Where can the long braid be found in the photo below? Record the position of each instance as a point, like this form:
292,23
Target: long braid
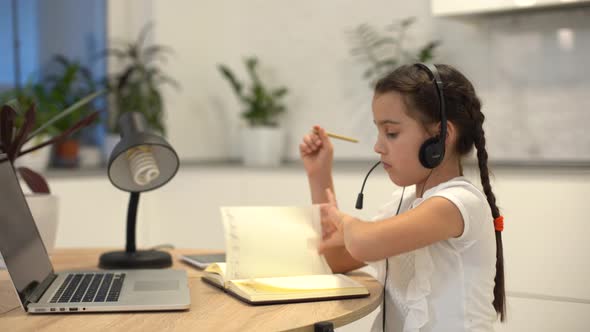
482,158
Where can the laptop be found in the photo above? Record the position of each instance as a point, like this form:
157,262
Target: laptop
42,290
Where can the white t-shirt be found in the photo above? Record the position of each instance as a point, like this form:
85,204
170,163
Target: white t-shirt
448,285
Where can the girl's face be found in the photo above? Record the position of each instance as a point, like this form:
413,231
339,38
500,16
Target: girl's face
399,139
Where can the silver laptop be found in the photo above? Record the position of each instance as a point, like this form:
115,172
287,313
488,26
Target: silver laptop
41,290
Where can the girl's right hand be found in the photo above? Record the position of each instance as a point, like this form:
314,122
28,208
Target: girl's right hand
317,152
332,228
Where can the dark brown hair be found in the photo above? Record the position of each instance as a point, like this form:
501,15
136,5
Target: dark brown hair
463,109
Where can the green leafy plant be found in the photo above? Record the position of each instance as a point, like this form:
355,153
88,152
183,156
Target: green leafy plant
262,105
137,86
17,125
385,51
68,82
23,98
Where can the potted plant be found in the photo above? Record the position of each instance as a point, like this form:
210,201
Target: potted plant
18,126
383,52
37,160
68,82
136,87
262,138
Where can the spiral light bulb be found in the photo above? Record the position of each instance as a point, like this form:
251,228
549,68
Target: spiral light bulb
142,165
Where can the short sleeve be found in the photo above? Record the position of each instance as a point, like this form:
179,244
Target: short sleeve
390,208
387,210
474,211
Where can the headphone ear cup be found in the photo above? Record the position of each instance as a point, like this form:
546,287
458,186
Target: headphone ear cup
431,153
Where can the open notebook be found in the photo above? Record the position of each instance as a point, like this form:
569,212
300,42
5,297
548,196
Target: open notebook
271,257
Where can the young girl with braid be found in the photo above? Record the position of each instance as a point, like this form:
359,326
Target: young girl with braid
437,245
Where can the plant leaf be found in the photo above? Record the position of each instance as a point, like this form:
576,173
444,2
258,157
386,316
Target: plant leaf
236,85
22,133
427,52
7,115
34,180
124,78
62,60
280,92
251,64
86,121
144,33
65,112
154,50
408,21
169,80
114,52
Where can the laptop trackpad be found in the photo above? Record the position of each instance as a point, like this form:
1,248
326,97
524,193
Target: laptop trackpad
156,285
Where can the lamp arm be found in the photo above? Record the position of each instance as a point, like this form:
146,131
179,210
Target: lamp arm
131,221
132,258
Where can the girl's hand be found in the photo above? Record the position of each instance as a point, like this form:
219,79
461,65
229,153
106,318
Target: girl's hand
332,226
316,152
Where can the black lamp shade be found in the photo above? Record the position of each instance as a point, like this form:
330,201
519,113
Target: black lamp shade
135,134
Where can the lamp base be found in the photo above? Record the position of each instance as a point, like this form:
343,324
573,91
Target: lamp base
146,259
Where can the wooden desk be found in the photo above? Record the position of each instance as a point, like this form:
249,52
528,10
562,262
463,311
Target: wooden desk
211,309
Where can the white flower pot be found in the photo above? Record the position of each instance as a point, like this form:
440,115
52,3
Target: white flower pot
90,156
262,146
44,209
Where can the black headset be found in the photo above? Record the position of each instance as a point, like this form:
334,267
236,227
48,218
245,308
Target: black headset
432,150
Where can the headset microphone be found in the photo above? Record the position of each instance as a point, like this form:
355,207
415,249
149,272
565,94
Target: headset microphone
359,199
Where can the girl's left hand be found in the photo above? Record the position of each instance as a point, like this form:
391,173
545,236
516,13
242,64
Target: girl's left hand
332,226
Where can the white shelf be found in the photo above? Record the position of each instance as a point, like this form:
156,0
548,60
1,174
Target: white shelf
477,7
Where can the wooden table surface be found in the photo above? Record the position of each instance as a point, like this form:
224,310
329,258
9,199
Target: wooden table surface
211,309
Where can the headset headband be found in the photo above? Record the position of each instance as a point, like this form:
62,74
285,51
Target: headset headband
435,76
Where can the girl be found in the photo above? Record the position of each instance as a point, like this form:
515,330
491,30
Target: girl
438,247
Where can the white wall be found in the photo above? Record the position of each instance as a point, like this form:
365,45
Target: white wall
124,21
302,45
529,69
533,90
462,7
545,240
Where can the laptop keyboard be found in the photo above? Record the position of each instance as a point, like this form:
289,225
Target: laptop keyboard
90,287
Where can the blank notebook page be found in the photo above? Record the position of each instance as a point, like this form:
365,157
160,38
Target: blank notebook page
272,241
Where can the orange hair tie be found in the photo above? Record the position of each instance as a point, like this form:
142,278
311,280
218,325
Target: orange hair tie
499,223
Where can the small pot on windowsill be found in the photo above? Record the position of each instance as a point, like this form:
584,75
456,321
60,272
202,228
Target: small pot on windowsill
262,146
67,152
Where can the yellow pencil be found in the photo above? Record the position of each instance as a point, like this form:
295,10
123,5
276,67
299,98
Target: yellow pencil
344,138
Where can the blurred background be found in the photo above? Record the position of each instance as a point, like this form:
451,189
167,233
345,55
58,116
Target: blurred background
222,79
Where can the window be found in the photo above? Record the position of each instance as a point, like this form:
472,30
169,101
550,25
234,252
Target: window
72,28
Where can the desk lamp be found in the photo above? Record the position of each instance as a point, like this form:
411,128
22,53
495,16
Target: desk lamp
140,162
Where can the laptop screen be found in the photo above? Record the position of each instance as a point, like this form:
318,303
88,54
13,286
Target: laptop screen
20,243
